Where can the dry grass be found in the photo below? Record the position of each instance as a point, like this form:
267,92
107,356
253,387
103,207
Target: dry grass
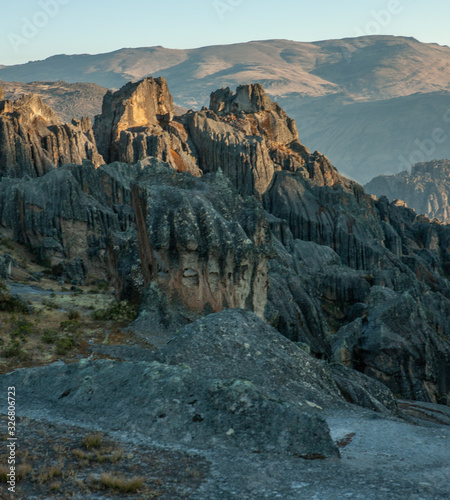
4,471
108,455
92,440
22,472
55,486
49,474
119,483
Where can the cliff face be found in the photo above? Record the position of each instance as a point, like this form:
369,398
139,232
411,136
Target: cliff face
199,244
249,138
232,211
33,141
426,189
137,122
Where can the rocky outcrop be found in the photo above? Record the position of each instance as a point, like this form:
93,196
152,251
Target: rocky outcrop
201,246
401,341
137,122
68,213
248,137
33,141
426,189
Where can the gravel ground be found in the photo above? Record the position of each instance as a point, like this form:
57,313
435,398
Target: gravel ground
382,458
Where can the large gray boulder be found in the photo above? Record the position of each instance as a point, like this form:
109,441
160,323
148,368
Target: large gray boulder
228,380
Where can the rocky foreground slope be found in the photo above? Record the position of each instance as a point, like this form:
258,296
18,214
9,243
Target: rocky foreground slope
426,188
273,286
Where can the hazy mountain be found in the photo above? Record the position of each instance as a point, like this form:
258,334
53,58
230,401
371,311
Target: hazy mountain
364,102
426,188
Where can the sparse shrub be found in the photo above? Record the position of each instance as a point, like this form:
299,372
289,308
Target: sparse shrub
65,344
2,285
7,243
74,315
55,486
92,440
14,349
71,326
49,304
50,336
22,329
122,311
21,472
49,474
80,454
11,304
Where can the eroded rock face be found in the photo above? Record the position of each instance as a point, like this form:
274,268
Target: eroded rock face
137,122
426,189
202,246
34,141
68,213
396,344
247,136
307,250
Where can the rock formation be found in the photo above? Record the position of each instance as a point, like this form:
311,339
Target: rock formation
33,141
137,122
67,213
247,218
199,246
426,189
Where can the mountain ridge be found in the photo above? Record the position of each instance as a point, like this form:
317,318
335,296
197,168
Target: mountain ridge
373,85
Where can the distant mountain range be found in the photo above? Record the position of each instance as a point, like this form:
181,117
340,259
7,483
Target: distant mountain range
371,104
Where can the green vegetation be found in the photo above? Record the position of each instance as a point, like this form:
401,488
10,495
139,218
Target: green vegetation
49,336
122,311
11,304
65,344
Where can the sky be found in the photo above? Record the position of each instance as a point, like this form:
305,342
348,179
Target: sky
37,29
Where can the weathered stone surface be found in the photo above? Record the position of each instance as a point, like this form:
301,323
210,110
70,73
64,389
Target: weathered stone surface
199,244
67,213
364,391
339,217
397,344
33,141
238,344
230,381
136,122
426,188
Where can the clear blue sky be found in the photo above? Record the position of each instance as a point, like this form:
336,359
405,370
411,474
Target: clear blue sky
95,26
